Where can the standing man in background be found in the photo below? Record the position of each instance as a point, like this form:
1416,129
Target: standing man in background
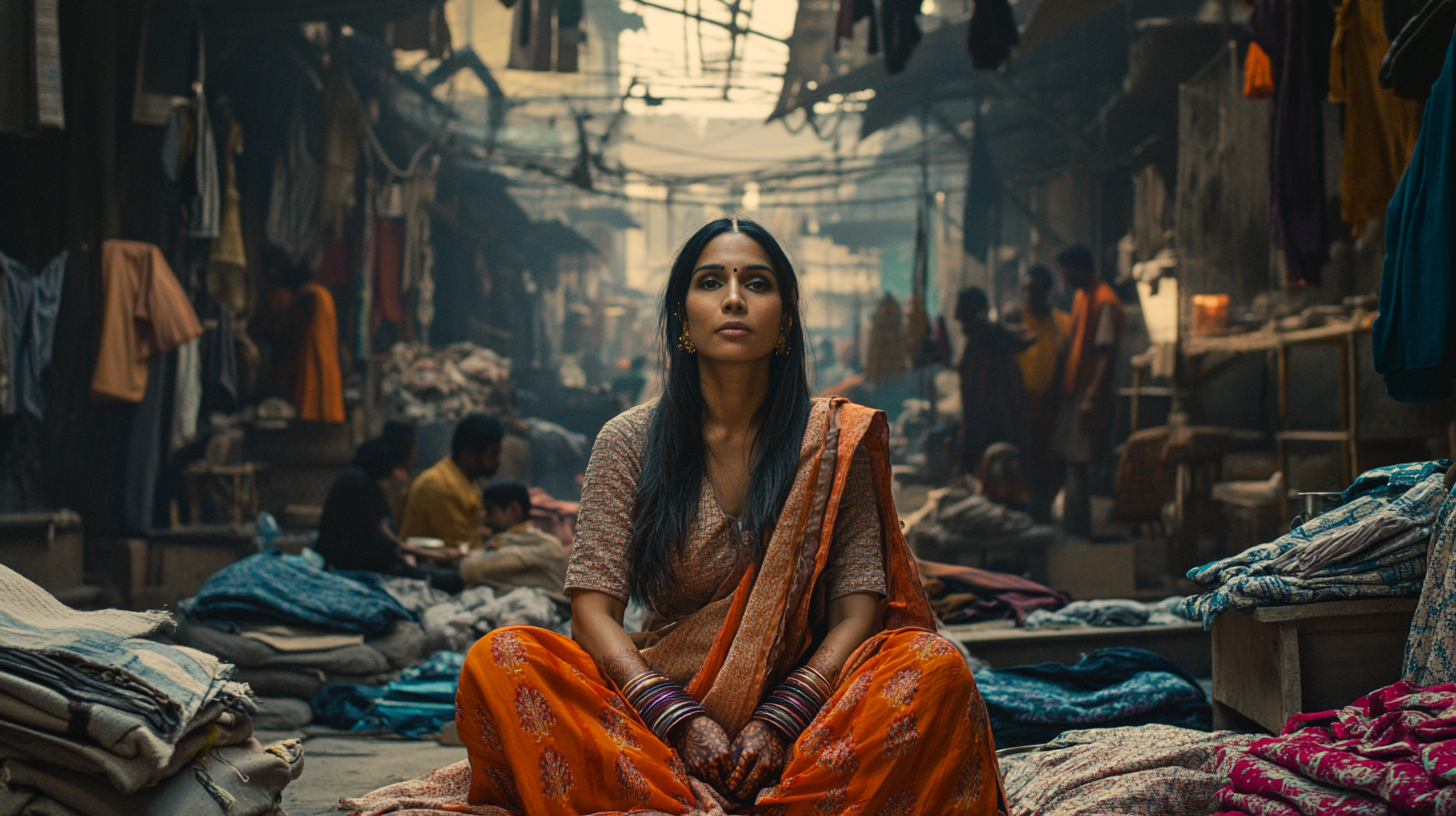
1088,397
1039,365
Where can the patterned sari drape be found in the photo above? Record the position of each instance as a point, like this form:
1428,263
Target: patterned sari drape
905,732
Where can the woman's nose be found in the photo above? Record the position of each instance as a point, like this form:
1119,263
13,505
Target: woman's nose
733,297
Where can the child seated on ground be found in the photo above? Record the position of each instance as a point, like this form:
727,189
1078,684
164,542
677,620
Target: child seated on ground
518,554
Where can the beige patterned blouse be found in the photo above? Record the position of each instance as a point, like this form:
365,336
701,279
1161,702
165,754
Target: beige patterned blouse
604,527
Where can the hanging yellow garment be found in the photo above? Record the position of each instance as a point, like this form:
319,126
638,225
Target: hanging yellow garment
1380,129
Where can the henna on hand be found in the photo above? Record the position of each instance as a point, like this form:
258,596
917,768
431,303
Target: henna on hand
826,661
759,756
622,666
705,749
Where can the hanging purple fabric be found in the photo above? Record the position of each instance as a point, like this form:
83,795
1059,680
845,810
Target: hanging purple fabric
1296,34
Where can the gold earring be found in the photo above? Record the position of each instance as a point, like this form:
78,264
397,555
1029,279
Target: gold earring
782,347
685,340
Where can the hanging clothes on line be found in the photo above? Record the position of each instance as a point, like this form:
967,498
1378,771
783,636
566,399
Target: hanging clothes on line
417,268
900,24
344,131
292,224
1411,338
227,268
851,12
1258,74
1380,130
1418,51
1296,34
319,393
207,198
144,311
32,303
992,34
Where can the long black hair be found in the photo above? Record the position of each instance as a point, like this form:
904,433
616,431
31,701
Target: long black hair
671,483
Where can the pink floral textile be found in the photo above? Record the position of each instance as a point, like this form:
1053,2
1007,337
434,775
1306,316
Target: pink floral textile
1390,753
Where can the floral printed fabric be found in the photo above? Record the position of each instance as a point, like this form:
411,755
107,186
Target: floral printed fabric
1380,538
1430,652
905,735
1388,753
1150,770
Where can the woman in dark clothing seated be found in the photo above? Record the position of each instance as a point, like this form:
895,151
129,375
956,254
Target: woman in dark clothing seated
354,532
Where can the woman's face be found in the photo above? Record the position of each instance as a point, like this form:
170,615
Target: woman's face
734,306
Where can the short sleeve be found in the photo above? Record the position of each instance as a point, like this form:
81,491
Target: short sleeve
1106,327
856,556
608,495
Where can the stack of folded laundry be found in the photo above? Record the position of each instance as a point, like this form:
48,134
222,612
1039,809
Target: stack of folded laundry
1373,545
288,665
1028,705
96,719
1390,752
292,628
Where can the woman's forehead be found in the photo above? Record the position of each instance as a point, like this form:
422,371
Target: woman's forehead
734,248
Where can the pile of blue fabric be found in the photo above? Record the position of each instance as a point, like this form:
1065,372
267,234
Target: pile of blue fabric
417,704
273,588
1372,546
1030,705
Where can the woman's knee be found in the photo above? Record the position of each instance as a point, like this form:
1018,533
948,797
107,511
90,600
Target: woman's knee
510,648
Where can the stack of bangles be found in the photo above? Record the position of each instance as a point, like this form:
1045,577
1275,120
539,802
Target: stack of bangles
793,705
661,703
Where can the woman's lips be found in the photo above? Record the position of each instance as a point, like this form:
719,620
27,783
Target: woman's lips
734,328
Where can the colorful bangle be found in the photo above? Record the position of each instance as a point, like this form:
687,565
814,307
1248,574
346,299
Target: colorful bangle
661,703
794,704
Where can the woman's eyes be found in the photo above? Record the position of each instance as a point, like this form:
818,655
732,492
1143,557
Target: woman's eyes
754,285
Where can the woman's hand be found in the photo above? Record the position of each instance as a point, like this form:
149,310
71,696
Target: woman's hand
758,758
703,745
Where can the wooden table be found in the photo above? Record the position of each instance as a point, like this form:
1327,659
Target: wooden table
1003,644
1272,662
1194,371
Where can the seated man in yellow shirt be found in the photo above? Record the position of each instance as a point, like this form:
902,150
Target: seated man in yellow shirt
443,502
518,555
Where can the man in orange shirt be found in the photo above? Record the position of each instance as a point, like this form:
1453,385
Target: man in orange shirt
1088,397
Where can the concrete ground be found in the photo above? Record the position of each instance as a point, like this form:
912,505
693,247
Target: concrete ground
335,767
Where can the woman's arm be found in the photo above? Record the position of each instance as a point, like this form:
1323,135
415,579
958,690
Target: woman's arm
853,619
596,624
760,752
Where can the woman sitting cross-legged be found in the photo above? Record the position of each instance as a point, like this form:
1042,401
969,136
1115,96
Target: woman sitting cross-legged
789,664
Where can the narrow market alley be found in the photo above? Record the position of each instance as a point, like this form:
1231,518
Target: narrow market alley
727,407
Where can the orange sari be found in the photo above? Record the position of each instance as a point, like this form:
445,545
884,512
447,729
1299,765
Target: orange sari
904,734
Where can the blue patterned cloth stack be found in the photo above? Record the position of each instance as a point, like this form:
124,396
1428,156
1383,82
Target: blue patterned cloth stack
1372,546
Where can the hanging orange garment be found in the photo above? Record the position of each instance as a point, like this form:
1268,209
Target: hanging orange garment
144,311
1086,313
1258,73
904,733
1380,129
319,390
